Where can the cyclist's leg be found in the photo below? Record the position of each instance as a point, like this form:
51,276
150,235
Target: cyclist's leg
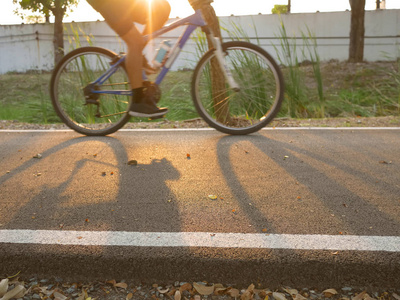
154,14
120,15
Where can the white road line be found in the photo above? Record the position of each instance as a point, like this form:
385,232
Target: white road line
202,129
203,239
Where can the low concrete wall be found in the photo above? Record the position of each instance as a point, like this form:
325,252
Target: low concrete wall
30,47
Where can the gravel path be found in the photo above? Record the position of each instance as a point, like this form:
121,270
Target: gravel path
42,289
389,121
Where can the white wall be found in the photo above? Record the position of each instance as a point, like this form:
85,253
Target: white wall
29,47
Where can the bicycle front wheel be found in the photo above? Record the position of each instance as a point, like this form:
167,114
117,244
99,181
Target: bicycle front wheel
260,82
90,114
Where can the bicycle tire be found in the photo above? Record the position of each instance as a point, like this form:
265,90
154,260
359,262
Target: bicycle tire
72,74
261,89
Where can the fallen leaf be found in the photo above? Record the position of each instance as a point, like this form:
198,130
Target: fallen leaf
203,289
162,291
220,290
186,287
397,297
212,197
329,293
234,293
290,291
122,285
132,162
264,230
278,296
83,295
265,293
298,297
59,296
360,296
177,295
251,288
384,162
14,292
247,295
3,287
129,296
368,297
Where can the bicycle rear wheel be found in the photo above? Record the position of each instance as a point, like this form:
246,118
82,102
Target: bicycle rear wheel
261,89
101,114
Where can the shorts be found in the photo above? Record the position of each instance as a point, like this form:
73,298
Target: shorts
120,14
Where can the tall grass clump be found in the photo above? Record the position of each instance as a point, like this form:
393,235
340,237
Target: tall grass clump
74,37
389,91
249,71
310,52
296,94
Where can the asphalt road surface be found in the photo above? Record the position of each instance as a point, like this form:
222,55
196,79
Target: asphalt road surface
291,207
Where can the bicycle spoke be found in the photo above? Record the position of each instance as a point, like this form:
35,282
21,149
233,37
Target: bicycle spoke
258,99
100,113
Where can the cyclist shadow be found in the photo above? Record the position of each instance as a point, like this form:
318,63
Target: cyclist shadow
97,192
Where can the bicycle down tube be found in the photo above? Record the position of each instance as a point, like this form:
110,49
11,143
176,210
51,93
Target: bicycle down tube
193,21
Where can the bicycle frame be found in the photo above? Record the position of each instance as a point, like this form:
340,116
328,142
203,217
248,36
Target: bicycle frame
192,22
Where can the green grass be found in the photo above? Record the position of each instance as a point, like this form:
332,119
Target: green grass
371,89
25,97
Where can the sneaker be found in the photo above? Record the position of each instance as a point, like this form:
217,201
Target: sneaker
147,110
144,106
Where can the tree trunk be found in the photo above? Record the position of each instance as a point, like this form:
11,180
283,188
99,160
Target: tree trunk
357,31
289,6
58,41
221,106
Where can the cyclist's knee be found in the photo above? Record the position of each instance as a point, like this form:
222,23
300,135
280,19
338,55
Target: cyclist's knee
134,40
161,10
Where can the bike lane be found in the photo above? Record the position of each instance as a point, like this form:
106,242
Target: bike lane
280,206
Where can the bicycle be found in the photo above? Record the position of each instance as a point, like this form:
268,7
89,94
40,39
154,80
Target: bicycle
91,94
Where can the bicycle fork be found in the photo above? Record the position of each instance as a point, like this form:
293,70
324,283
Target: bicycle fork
222,62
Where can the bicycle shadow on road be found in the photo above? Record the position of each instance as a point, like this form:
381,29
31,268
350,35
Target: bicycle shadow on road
304,199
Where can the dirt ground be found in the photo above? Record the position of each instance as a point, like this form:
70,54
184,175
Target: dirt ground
388,121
